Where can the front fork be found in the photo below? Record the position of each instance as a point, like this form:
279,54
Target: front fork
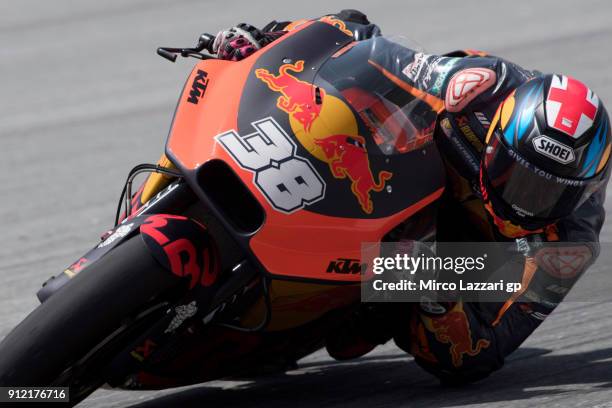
184,247
163,340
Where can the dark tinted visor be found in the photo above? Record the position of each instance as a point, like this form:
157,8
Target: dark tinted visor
527,189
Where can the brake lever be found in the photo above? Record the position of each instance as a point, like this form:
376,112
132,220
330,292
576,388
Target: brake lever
205,42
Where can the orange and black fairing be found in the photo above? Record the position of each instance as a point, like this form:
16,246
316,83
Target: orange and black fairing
285,143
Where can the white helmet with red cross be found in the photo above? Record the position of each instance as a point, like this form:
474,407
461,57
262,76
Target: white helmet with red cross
548,150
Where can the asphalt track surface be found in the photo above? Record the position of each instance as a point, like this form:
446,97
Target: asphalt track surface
83,98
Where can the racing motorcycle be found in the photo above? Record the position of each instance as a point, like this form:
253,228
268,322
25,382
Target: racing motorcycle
242,248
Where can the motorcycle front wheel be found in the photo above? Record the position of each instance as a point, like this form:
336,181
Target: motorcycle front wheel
91,308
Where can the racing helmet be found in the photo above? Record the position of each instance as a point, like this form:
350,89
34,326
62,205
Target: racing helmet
547,151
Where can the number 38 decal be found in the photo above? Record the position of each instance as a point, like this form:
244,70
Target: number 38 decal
289,182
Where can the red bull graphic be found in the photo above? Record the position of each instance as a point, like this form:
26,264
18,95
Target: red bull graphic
331,20
347,157
298,98
453,328
339,24
327,127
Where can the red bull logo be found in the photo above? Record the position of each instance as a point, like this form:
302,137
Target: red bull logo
348,157
331,20
298,98
339,24
326,126
453,328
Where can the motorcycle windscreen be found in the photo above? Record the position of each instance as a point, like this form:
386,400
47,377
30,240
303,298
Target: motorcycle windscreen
398,118
371,133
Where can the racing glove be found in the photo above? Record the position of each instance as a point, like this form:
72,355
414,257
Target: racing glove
238,42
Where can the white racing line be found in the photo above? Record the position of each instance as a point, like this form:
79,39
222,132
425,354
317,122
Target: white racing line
84,98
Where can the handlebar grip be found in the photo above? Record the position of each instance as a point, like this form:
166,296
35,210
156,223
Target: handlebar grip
166,54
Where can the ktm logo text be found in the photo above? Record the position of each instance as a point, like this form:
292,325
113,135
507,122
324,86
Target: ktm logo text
346,266
198,87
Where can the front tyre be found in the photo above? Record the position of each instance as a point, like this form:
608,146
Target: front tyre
83,313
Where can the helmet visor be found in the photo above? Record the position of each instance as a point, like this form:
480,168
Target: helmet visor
528,190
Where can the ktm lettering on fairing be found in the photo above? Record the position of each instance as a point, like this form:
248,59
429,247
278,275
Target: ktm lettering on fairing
345,266
198,87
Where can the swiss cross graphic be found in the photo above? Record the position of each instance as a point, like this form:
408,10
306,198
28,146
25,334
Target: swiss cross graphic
465,85
571,106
